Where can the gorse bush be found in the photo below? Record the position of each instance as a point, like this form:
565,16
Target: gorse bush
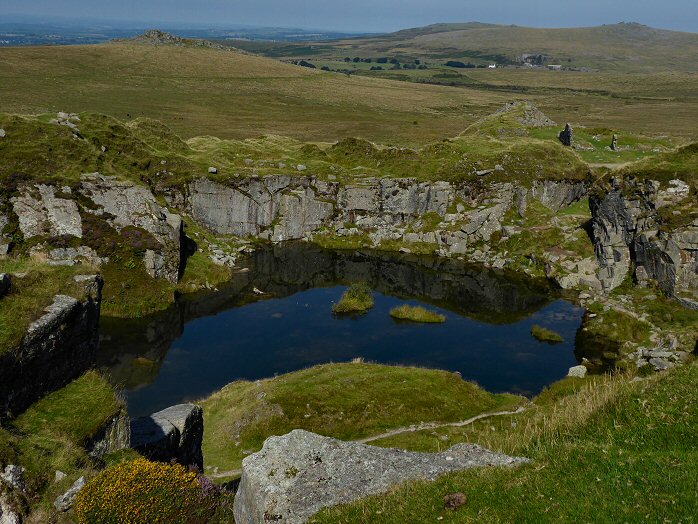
141,491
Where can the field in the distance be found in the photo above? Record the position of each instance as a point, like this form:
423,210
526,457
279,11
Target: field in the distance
230,94
614,48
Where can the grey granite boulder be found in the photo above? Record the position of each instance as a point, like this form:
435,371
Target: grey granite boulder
296,475
173,433
577,372
7,513
13,476
66,501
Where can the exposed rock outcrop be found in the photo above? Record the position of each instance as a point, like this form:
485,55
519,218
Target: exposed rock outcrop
42,213
130,205
629,232
281,207
567,136
296,475
57,348
66,501
173,433
8,515
113,436
78,215
13,476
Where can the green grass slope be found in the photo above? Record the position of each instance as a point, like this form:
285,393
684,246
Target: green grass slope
51,435
347,401
201,91
607,451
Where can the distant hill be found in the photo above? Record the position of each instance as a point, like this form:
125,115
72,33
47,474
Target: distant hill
626,47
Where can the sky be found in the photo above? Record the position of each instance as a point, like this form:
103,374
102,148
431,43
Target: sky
368,15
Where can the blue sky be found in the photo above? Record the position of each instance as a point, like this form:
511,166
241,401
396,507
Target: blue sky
369,15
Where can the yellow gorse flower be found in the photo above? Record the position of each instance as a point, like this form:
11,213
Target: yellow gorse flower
139,492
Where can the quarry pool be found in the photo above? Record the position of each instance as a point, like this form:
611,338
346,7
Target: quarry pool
204,342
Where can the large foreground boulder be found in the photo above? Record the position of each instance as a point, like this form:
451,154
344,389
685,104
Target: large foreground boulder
173,433
296,475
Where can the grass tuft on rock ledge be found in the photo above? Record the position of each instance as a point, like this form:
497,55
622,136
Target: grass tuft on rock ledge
420,314
546,335
357,299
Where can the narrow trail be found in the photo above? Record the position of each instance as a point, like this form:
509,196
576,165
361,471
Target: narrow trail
398,431
436,425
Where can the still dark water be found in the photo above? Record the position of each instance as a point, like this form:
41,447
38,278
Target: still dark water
203,343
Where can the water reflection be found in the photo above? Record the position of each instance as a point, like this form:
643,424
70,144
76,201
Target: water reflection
206,341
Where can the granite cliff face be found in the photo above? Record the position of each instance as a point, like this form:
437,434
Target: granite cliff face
66,225
645,227
282,207
57,348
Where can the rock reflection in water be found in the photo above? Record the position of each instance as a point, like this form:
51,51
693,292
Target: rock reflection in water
172,356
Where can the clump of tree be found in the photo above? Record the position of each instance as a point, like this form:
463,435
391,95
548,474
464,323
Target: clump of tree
460,65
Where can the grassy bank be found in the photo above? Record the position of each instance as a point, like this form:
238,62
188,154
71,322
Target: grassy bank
603,450
50,436
347,401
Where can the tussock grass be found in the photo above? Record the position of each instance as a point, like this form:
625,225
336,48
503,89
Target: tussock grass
417,314
358,298
546,335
